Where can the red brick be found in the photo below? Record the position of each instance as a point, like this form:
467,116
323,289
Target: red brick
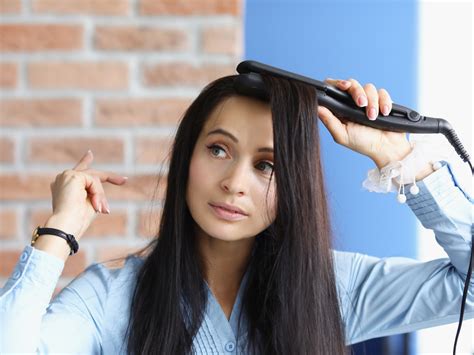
148,223
29,187
70,151
10,6
114,224
25,187
7,150
96,7
8,260
21,37
178,74
153,150
80,75
140,38
186,7
40,112
8,221
8,75
222,40
139,112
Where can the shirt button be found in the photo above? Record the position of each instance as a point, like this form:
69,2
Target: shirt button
24,256
230,346
16,275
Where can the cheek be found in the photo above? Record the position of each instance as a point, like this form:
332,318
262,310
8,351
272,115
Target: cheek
197,172
267,205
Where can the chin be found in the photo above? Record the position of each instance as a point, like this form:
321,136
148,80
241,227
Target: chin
224,233
221,230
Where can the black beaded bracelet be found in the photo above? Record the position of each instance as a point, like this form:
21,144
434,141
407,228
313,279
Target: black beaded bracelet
69,238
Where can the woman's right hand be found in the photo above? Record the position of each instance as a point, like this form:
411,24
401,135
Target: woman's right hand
78,195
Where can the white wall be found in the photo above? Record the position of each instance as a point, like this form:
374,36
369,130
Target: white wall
445,91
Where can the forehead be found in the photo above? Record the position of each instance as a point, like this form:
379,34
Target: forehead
242,115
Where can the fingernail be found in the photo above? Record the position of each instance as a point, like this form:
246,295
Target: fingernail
372,113
343,82
125,177
385,110
107,207
362,101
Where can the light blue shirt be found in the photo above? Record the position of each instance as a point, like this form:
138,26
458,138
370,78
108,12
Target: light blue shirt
378,297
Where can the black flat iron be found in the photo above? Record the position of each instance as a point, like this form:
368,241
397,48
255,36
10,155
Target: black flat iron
341,104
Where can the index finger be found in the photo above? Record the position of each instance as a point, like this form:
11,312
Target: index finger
84,162
107,176
343,84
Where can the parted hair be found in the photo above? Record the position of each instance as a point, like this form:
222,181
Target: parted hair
290,299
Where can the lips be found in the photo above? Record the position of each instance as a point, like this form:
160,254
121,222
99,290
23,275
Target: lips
227,215
230,208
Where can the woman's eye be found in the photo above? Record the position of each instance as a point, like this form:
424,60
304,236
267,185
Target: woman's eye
265,163
215,147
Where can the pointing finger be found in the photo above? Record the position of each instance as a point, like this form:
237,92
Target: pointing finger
106,176
85,161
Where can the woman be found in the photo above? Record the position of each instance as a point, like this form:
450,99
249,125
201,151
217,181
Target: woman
260,280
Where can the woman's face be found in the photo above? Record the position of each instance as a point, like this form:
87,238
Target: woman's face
234,171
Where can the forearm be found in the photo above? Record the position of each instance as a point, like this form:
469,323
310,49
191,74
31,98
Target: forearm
25,298
445,208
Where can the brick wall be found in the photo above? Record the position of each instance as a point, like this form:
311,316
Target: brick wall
114,76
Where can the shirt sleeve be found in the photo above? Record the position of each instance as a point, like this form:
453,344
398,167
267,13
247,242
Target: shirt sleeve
29,323
393,295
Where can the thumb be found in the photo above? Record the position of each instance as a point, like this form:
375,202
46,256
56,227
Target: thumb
335,127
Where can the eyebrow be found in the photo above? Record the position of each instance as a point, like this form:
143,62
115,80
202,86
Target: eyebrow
231,136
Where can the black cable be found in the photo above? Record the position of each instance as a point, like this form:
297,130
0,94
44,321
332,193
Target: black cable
466,284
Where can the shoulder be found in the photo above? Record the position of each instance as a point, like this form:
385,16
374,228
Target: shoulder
103,279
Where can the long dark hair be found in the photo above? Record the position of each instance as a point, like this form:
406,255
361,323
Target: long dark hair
290,299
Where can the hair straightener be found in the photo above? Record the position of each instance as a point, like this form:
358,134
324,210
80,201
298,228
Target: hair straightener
341,104
401,119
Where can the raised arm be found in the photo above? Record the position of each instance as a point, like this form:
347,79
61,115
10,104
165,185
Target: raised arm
71,323
396,295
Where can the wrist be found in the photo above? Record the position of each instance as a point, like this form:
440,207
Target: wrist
53,245
386,158
63,224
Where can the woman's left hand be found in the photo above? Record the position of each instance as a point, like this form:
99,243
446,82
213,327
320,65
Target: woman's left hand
381,146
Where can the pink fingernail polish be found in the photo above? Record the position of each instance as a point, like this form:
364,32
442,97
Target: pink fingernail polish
362,101
372,113
385,110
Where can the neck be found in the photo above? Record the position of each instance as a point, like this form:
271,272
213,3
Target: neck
224,262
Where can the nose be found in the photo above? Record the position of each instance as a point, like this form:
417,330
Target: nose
235,181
